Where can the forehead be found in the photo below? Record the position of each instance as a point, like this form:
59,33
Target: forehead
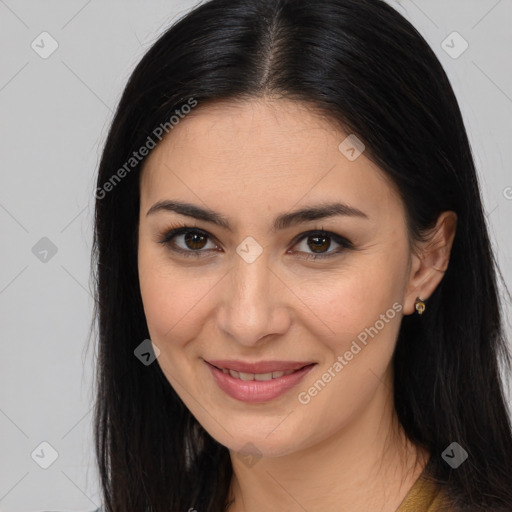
262,154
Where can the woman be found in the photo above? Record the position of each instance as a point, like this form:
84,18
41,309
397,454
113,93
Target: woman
297,298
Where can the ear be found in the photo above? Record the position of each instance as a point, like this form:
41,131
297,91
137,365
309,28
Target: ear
430,260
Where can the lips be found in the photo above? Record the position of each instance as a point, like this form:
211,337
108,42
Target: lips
259,368
258,387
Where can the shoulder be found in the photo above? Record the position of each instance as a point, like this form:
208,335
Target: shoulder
425,496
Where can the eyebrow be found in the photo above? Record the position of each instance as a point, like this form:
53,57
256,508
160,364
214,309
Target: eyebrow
282,221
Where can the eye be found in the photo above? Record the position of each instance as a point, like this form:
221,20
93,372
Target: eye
320,242
187,241
193,242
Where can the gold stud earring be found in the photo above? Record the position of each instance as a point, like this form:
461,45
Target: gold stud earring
419,305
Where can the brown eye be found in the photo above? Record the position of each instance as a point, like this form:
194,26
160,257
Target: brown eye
319,243
188,241
316,245
195,240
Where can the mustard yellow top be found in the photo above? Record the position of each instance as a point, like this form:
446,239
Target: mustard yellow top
424,496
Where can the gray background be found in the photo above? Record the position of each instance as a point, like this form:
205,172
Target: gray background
54,118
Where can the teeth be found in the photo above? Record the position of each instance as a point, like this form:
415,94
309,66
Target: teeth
263,376
256,376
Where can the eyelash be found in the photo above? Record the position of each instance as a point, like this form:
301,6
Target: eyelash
182,229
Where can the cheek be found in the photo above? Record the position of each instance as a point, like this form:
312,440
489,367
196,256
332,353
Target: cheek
365,291
173,297
363,309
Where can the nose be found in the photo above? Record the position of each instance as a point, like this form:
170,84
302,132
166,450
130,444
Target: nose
255,302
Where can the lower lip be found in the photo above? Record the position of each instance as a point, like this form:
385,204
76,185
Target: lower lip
255,391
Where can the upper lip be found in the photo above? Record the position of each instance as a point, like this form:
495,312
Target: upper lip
260,367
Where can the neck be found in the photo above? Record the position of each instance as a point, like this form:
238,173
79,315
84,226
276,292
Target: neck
367,465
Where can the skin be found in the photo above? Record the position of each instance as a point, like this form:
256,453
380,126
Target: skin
251,161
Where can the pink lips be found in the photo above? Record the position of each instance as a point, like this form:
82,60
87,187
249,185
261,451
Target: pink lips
261,367
255,391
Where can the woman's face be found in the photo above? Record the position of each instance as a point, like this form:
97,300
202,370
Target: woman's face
242,289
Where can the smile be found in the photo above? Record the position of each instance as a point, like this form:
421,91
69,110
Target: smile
257,387
256,376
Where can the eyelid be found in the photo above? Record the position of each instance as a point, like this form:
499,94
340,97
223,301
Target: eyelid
181,229
343,242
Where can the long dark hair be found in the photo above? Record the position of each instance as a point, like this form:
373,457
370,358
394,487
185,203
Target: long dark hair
362,65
